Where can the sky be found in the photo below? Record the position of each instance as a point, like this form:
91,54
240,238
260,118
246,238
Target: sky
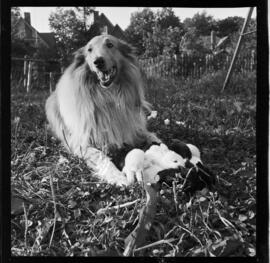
121,15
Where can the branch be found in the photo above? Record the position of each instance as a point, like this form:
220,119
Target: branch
26,225
55,210
160,242
137,236
103,210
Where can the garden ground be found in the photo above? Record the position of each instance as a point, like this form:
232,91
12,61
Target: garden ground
55,199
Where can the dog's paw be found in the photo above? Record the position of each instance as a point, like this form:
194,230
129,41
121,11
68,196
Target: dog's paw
118,178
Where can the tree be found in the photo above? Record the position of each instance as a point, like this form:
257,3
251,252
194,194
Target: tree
166,18
201,22
70,30
249,42
229,25
170,31
192,43
172,40
141,24
163,41
153,42
155,33
84,13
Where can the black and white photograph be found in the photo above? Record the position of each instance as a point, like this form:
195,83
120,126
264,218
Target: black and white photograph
133,131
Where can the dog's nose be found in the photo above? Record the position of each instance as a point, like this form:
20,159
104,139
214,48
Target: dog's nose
99,62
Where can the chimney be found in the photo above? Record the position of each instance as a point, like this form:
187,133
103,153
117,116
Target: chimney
28,33
27,17
96,16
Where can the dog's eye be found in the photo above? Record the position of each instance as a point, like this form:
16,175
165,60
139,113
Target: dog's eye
175,161
90,49
109,45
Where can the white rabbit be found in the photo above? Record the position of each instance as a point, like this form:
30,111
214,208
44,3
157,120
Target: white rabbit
134,165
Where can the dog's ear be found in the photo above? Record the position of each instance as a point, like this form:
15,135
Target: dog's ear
79,57
126,49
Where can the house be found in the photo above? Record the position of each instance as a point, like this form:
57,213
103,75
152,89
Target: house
102,25
99,24
24,30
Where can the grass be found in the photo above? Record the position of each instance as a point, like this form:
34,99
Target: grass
55,199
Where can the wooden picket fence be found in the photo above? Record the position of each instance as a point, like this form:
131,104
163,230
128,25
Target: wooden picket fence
44,74
35,73
184,66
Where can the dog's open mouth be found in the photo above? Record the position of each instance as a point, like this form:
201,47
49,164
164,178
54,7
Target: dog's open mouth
106,77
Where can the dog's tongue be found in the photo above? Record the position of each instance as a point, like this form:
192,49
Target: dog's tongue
104,76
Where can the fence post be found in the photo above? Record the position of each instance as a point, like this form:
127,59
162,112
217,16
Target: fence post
51,82
29,76
154,67
25,72
182,66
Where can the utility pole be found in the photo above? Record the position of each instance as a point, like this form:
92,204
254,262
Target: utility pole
237,48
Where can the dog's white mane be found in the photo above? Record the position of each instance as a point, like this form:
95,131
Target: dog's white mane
91,120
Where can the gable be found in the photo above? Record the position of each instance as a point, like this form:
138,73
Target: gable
104,21
105,26
29,33
118,32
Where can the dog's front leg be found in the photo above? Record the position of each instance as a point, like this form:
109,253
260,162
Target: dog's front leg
103,167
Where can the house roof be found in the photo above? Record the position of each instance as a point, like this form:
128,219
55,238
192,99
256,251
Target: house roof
118,32
49,39
107,21
113,30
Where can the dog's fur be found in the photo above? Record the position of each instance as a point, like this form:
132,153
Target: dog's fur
92,118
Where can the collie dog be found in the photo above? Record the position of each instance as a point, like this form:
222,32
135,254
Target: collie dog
99,105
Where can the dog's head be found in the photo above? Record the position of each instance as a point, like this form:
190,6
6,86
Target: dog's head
104,55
